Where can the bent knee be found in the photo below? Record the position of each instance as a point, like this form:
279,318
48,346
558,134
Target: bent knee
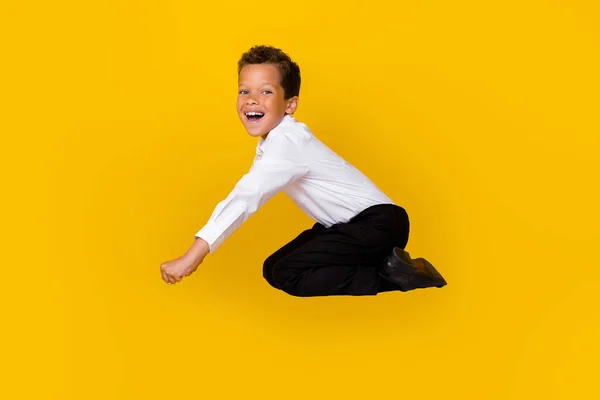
281,273
268,266
288,280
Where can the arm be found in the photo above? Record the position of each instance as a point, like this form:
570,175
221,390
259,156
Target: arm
198,250
266,177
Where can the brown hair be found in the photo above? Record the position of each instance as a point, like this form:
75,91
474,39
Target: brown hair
289,70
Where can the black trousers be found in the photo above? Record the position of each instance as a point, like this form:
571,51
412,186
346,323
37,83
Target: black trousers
343,259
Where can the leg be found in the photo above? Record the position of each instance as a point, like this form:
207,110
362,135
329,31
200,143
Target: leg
344,259
304,237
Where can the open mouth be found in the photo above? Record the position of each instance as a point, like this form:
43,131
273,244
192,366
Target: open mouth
254,116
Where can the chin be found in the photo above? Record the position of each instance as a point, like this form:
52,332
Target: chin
255,133
256,130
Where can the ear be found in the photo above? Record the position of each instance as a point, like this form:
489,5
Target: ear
292,105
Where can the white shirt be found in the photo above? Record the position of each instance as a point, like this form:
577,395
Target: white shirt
291,159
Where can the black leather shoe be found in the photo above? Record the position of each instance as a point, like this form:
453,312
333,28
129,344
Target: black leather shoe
410,274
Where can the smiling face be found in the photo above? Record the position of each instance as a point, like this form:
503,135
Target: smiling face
261,102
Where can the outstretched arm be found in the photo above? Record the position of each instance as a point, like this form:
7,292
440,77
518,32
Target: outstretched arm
266,177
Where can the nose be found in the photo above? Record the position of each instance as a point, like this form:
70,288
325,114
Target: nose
251,100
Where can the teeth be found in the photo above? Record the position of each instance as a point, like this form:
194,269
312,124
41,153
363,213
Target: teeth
251,113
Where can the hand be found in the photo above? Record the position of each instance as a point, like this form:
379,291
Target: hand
173,271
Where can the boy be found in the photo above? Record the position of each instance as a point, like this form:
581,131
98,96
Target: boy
356,247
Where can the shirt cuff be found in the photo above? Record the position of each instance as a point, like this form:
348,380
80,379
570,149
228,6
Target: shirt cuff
210,237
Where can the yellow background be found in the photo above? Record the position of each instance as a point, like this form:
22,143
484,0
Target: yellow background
119,136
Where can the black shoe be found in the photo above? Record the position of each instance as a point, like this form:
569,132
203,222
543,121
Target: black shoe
410,274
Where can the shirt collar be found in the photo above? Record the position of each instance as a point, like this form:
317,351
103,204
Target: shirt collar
287,118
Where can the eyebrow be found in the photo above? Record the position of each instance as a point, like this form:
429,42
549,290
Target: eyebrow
260,84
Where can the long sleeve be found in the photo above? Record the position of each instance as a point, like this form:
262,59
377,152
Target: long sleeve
266,177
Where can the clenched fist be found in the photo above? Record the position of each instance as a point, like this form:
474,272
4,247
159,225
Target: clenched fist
173,271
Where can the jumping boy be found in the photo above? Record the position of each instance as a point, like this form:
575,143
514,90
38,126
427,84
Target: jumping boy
356,247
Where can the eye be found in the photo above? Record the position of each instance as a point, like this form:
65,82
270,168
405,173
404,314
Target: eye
243,92
267,91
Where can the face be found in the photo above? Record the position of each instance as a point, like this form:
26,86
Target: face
261,105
